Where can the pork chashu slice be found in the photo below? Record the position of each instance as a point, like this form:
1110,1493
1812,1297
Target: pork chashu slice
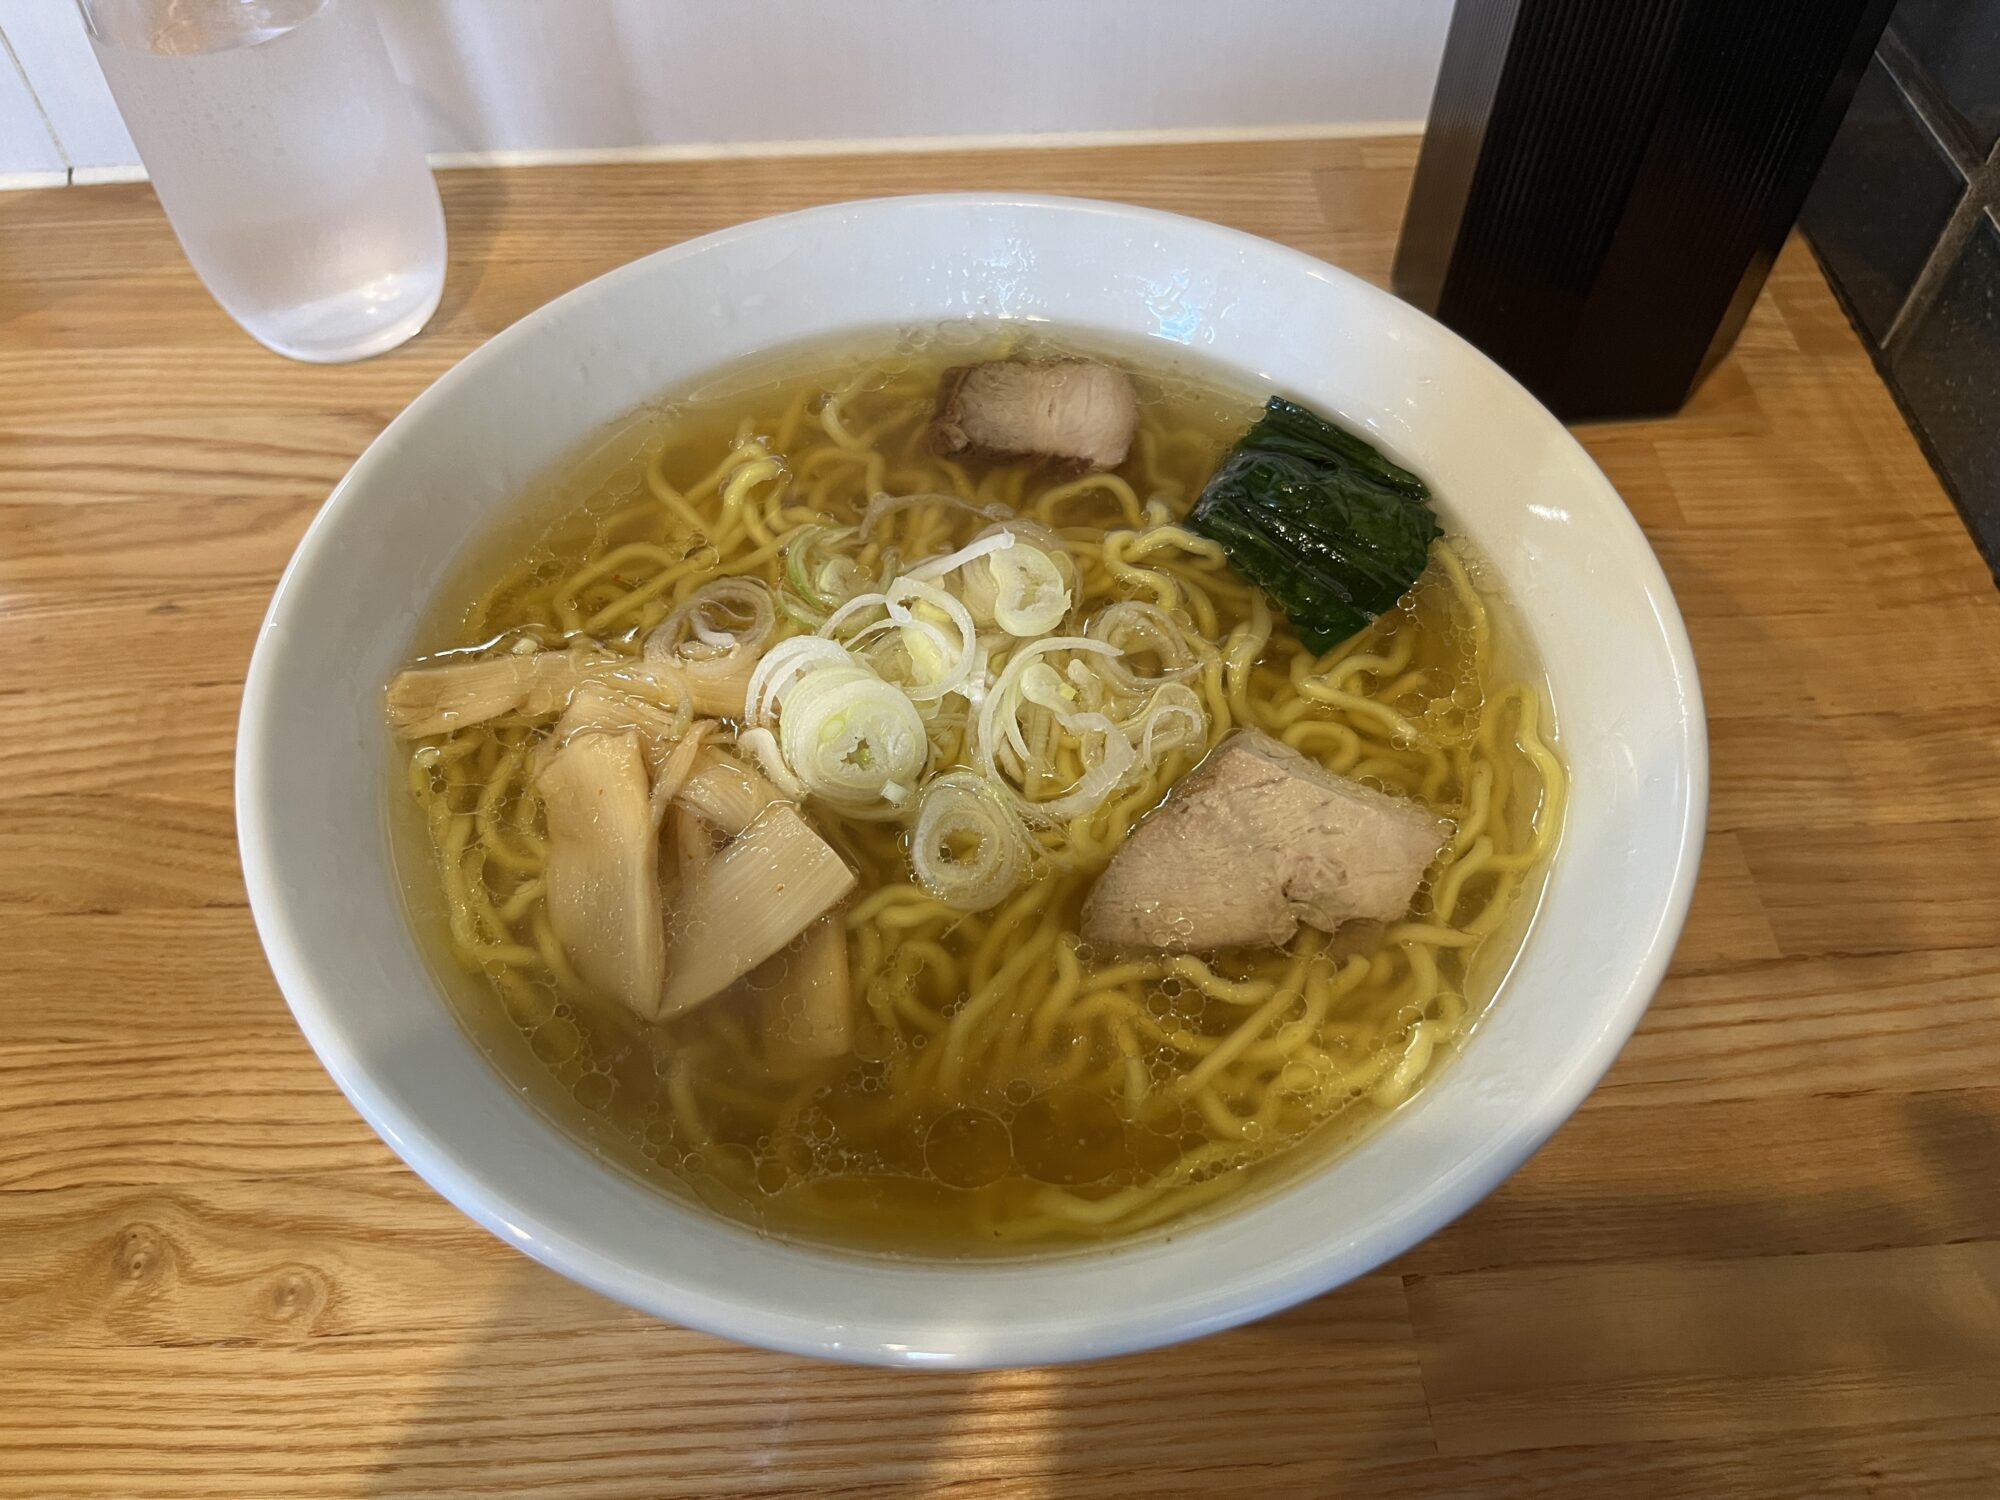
1075,411
1254,841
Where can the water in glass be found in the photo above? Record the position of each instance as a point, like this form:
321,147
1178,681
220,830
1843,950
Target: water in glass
285,152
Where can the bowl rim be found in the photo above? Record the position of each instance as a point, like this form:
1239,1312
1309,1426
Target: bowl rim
491,1201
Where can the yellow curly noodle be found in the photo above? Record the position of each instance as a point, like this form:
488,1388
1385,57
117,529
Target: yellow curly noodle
1010,1085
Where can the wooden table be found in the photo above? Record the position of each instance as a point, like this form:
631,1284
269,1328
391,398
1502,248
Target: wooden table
1764,1259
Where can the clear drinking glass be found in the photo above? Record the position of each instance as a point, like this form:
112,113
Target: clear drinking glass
285,152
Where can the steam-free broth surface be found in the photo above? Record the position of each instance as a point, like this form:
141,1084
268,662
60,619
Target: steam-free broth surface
995,1080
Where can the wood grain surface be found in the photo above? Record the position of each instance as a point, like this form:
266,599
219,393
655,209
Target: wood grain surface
1763,1261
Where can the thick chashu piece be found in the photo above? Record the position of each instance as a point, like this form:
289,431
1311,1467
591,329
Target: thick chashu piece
1255,840
602,878
1074,410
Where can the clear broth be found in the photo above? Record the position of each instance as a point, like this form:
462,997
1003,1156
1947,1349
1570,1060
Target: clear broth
1048,1134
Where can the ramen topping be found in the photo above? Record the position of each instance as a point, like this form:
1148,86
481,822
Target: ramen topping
1330,529
1072,409
769,885
804,1000
1254,841
602,876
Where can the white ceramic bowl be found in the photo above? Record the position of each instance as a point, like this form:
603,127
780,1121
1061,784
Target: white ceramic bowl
313,780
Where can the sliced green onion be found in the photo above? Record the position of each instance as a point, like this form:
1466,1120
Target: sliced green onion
1173,718
937,567
1030,597
783,665
968,847
817,580
1106,753
848,735
1024,580
1137,627
940,665
763,745
719,631
854,713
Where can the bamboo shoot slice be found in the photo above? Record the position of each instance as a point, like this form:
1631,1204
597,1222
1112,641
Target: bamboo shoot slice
694,846
672,771
457,694
775,880
602,879
728,793
443,696
600,708
720,694
671,745
805,1000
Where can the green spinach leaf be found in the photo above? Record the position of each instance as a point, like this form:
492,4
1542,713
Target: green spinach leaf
1331,530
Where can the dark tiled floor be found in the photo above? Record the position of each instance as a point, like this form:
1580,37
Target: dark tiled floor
1958,42
1879,203
1948,369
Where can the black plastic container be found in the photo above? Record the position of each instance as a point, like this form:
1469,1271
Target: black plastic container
1605,183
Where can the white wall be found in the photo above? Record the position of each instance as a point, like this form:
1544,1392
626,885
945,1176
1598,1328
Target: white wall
585,75
28,151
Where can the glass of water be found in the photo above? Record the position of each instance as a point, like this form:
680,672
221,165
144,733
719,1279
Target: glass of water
285,152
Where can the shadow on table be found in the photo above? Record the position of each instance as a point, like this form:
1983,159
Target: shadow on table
475,208
1353,1392
618,1404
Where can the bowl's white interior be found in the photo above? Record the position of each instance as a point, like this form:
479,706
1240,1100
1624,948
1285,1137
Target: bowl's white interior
312,788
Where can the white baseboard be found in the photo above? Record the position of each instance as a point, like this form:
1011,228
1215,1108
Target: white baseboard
910,145
870,146
122,172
